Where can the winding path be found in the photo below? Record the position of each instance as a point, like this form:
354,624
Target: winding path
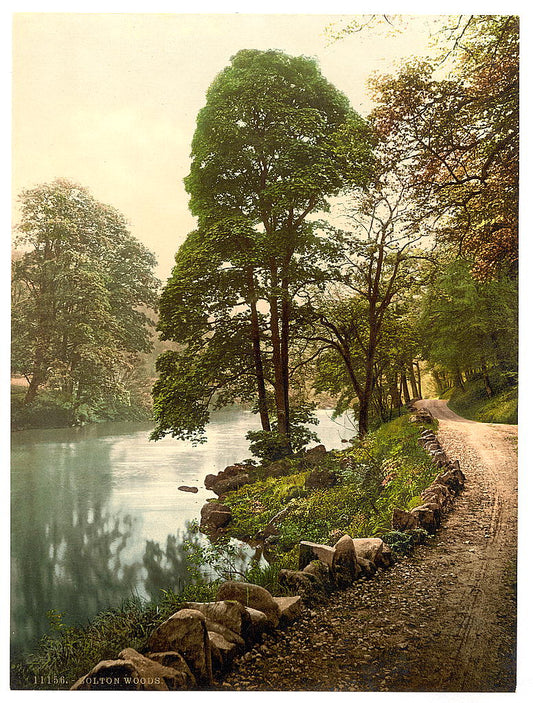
443,619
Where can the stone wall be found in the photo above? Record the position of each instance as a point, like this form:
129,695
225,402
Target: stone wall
201,640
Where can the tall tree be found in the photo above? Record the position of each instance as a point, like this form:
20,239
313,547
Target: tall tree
266,153
461,136
80,287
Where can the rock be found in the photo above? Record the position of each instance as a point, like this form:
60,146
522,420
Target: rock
345,567
231,478
370,548
440,459
386,557
223,652
185,632
303,583
322,573
277,468
188,489
368,568
290,608
252,596
310,551
314,456
174,660
452,478
229,613
437,493
428,517
320,478
403,520
133,672
259,624
214,515
232,483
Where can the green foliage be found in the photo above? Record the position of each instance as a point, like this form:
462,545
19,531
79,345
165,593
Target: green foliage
385,470
474,404
273,445
272,142
81,293
403,543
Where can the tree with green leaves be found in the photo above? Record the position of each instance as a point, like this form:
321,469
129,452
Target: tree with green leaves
460,135
470,325
80,284
273,141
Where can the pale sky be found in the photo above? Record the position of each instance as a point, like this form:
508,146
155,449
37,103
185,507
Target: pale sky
110,100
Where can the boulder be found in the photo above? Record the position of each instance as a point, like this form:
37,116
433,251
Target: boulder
185,632
278,468
428,516
132,671
251,596
232,483
214,515
386,557
439,494
322,573
368,568
291,608
440,459
223,652
174,660
305,584
403,520
231,478
452,478
345,567
259,624
370,548
320,478
310,551
229,613
315,456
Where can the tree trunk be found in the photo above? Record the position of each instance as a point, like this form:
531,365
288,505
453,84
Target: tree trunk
405,388
258,361
279,390
412,380
458,379
486,381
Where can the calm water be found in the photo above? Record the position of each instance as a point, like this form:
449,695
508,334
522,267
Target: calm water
97,517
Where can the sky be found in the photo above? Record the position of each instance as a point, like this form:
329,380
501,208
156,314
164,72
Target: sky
109,100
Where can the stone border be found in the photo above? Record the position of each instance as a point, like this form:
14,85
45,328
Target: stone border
202,639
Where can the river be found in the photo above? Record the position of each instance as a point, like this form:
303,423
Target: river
96,514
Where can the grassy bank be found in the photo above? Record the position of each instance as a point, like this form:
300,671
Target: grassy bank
365,482
475,404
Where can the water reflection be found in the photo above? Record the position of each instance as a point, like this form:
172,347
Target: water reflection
97,517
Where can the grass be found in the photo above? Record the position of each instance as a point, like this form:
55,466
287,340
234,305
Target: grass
474,403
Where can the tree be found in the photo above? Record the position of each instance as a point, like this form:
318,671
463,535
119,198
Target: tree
470,325
272,142
80,285
380,267
460,136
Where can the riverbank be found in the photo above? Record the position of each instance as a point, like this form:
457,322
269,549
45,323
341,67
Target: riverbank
390,467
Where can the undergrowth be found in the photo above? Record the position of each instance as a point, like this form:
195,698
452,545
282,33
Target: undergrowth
474,404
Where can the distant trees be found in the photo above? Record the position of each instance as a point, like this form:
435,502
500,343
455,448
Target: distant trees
272,142
82,289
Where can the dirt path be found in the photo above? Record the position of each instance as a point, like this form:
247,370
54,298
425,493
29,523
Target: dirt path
441,620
